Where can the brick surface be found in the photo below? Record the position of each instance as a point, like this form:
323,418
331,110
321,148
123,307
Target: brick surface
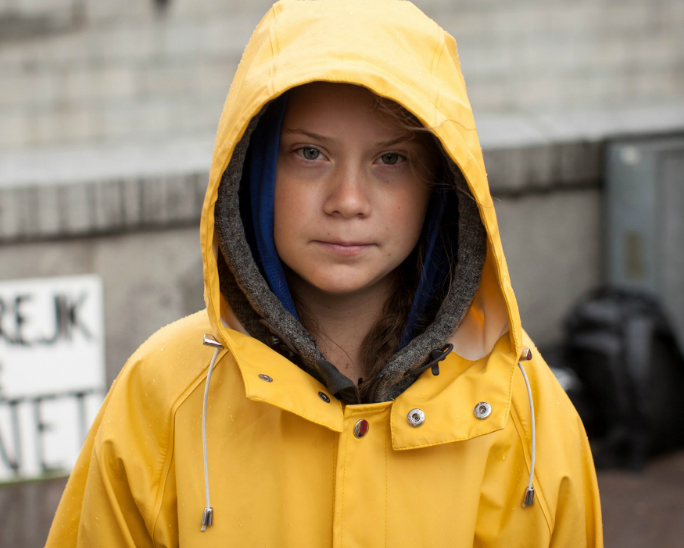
128,42
128,61
170,79
15,129
69,125
115,82
227,34
214,75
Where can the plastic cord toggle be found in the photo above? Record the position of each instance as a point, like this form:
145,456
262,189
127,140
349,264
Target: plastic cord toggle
207,518
529,497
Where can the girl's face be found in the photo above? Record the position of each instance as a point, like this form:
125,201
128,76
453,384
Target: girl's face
351,192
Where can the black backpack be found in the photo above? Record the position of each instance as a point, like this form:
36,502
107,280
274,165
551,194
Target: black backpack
622,348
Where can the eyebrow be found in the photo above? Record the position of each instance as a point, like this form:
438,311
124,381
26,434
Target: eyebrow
404,137
309,134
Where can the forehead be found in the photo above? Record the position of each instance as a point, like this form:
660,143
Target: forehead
339,108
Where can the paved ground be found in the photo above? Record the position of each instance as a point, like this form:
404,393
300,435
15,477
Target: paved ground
639,510
26,511
647,509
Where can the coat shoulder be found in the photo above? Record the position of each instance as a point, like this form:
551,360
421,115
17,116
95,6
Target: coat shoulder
156,378
174,355
558,426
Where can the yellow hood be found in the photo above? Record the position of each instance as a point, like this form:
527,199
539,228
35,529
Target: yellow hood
407,58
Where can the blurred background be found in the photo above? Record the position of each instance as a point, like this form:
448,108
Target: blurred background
108,112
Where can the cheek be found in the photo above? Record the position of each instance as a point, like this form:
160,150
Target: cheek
408,215
292,204
282,218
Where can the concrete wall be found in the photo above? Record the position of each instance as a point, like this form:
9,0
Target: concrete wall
78,71
553,247
141,235
548,203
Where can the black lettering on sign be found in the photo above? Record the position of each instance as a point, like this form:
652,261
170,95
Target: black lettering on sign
20,319
12,457
67,319
4,335
65,310
12,460
74,321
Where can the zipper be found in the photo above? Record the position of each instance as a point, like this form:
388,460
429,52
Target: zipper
436,356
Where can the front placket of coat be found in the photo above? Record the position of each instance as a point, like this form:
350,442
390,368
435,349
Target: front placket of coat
361,477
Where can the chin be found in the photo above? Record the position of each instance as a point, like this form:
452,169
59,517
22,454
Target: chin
338,289
343,286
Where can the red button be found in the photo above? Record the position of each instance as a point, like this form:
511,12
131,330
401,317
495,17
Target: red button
361,428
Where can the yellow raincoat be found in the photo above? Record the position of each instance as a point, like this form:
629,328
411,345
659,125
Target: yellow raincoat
284,465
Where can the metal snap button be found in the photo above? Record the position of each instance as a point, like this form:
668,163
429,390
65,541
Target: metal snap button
265,378
483,410
361,428
416,417
324,397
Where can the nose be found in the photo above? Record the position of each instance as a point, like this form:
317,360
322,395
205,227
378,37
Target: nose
348,194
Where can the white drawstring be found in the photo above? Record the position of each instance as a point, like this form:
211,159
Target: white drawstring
529,492
208,514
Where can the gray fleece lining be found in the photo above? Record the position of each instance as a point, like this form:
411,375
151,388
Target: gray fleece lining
241,282
251,298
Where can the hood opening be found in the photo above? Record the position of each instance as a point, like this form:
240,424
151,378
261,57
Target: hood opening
252,279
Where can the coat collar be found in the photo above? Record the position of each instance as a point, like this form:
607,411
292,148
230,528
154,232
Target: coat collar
448,400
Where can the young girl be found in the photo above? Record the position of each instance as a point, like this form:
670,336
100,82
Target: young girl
360,376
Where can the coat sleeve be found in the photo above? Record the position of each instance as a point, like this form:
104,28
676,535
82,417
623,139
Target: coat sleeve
577,520
122,491
123,480
565,478
97,507
64,530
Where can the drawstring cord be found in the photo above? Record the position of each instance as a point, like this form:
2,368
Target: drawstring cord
528,500
436,356
208,514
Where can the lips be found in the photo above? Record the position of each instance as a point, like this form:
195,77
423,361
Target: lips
339,247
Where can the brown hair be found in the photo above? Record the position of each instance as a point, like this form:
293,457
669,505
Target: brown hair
383,339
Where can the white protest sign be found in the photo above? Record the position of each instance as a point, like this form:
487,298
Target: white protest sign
52,372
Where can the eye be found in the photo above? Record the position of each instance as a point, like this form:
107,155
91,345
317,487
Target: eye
310,153
392,158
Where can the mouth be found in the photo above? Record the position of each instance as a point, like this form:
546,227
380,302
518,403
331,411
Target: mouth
339,247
